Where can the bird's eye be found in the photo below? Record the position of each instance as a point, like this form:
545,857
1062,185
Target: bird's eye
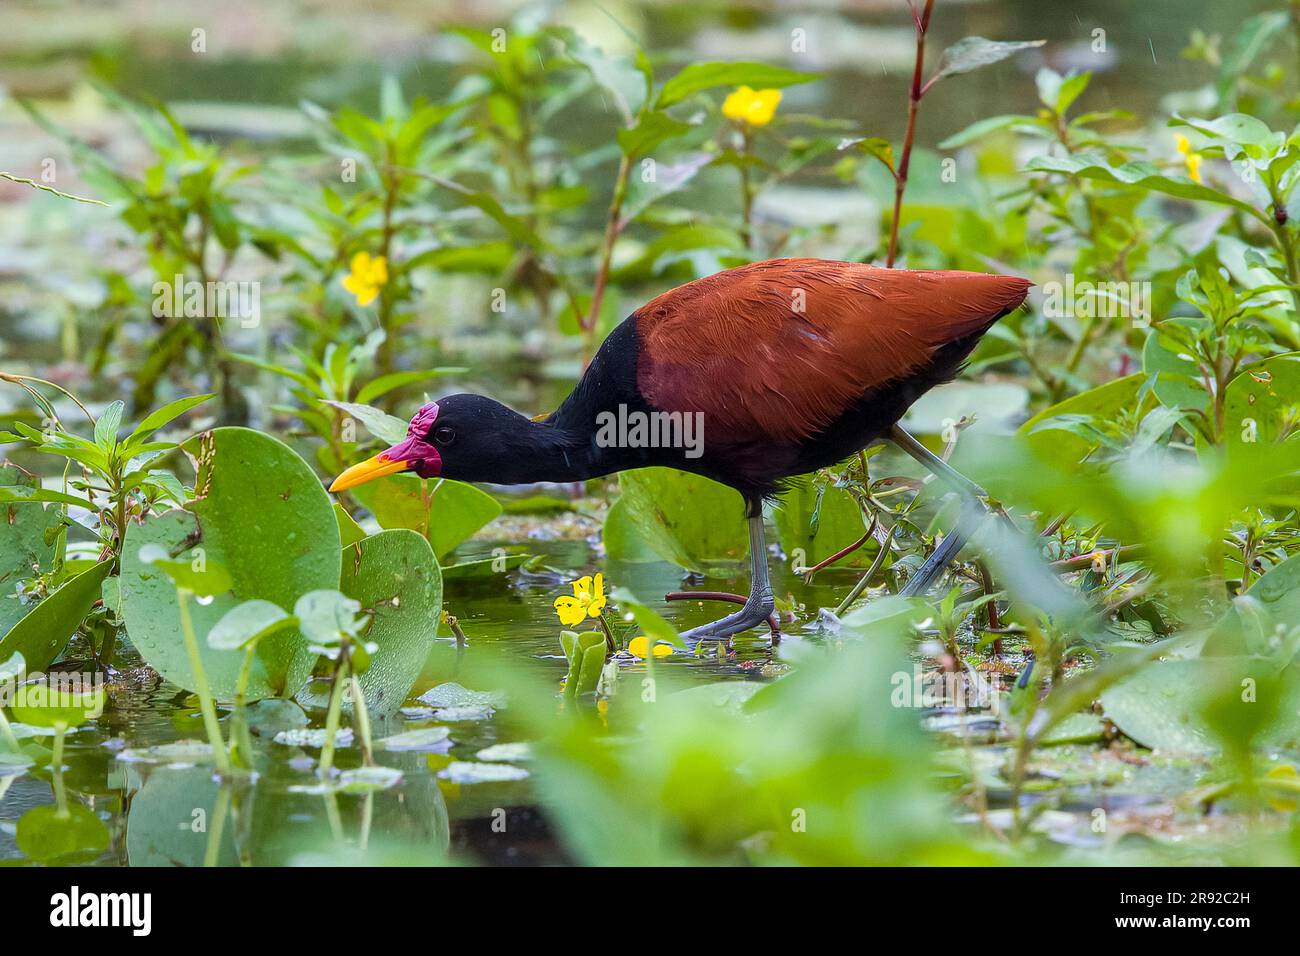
444,435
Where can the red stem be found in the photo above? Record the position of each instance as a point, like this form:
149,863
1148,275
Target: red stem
922,22
719,596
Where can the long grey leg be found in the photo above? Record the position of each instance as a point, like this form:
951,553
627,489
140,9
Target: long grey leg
760,603
938,467
973,511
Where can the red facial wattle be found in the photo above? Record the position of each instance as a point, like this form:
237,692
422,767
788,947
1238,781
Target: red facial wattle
413,453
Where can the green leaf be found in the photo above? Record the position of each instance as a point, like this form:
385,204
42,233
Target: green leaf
705,76
325,616
1140,175
16,493
1191,706
165,415
45,835
383,426
1177,382
1057,92
1103,403
50,704
971,53
396,574
26,544
349,531
45,630
653,129
586,654
684,518
815,520
250,490
872,146
981,128
648,619
198,576
622,540
386,383
1256,34
107,424
246,623
445,512
1263,401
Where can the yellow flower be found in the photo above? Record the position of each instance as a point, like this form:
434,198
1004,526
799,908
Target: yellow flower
588,601
637,647
1287,776
755,107
1193,160
368,274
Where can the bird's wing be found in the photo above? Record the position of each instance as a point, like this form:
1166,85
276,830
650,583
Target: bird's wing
779,349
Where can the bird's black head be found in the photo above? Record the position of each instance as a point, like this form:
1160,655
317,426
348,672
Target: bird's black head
465,437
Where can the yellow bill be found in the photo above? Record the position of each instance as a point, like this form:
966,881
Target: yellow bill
368,470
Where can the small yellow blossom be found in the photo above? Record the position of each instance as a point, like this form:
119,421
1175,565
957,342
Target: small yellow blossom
1193,160
368,274
1288,777
588,601
754,107
637,647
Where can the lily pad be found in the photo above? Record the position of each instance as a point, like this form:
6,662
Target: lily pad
302,737
467,772
463,714
506,753
452,694
420,739
394,573
251,490
369,779
180,753
44,834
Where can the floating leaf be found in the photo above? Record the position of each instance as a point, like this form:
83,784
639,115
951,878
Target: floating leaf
248,622
420,739
452,694
507,753
468,772
45,834
302,737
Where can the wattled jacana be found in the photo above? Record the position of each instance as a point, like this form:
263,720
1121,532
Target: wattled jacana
790,365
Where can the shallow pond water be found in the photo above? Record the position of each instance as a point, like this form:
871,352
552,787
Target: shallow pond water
172,813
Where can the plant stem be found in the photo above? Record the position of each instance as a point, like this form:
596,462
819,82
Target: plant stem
19,379
332,718
241,744
913,106
361,717
206,705
212,852
746,194
613,226
56,768
876,565
7,732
